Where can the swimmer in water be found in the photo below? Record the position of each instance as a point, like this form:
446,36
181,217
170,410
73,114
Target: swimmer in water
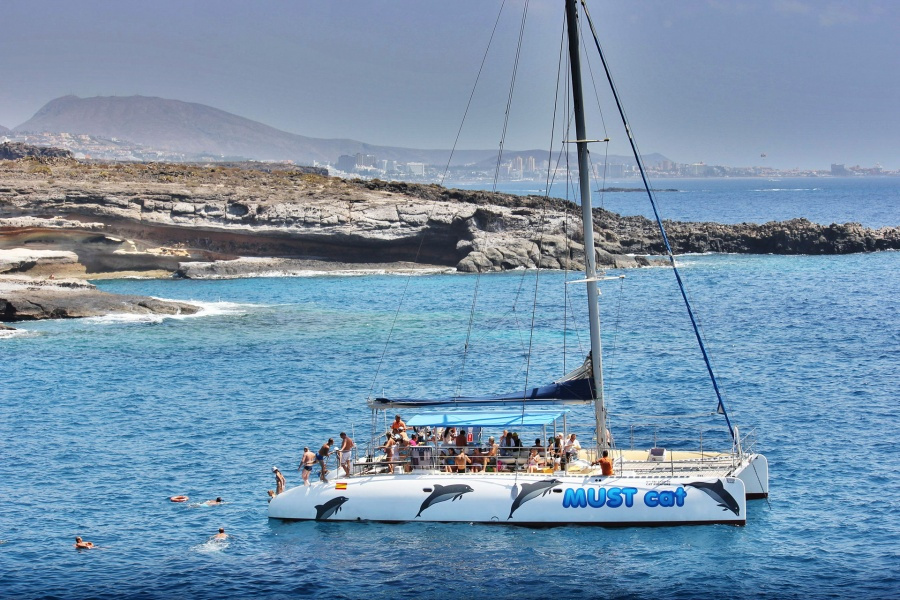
221,535
215,502
82,545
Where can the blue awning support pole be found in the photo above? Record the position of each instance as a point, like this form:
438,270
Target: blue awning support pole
662,230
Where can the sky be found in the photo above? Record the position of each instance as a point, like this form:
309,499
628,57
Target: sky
807,83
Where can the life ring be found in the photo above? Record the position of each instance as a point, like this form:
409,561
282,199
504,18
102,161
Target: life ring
179,498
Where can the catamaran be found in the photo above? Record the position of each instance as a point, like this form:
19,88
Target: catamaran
636,487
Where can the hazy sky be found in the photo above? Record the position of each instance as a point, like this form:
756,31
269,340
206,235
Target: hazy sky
807,82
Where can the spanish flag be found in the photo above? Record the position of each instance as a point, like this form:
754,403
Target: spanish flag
341,485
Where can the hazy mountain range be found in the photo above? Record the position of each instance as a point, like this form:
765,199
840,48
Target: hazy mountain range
176,126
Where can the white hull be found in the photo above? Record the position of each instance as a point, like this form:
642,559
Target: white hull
523,499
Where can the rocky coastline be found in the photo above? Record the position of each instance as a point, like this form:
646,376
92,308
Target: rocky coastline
88,220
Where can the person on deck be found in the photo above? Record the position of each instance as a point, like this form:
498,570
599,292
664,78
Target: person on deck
448,459
606,463
462,459
477,460
388,448
322,456
344,454
398,426
279,481
572,447
403,454
534,461
490,454
306,464
461,438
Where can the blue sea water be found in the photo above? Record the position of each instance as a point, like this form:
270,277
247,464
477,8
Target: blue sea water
103,419
872,201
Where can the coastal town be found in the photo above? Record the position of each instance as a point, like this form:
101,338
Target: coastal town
521,166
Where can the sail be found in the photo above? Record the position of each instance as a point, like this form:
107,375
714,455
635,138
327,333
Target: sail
576,387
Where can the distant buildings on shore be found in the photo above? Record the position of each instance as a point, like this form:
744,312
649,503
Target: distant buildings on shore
528,168
521,167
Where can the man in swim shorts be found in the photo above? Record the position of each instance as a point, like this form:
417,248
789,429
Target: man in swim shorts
321,455
344,453
306,464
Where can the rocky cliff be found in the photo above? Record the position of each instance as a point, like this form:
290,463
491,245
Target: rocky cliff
147,217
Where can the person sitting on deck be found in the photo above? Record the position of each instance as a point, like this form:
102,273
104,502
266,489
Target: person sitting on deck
534,461
605,462
477,460
449,458
490,454
571,448
462,459
537,445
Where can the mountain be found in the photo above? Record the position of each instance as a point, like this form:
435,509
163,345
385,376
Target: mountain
177,126
4,130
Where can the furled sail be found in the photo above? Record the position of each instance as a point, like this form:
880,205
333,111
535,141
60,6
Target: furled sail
576,387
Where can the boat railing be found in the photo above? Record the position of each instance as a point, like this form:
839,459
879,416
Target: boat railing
443,459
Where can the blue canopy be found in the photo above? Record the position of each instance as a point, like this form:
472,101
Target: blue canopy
572,391
485,419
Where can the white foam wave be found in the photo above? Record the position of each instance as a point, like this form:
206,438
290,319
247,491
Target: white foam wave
211,546
6,334
207,309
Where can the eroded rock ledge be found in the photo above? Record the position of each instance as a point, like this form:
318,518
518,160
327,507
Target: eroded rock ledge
29,299
159,217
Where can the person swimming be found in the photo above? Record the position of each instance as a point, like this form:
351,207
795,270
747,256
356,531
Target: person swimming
82,545
215,502
221,535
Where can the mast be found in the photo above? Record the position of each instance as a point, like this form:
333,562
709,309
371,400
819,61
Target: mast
587,220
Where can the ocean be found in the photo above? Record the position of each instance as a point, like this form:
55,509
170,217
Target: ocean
104,419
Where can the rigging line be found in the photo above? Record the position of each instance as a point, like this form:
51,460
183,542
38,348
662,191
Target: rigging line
593,82
462,367
472,94
662,230
509,97
512,87
430,213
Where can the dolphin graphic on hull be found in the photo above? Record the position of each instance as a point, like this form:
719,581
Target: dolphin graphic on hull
530,491
323,511
717,492
442,493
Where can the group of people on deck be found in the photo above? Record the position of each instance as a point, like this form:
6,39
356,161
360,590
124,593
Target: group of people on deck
455,453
